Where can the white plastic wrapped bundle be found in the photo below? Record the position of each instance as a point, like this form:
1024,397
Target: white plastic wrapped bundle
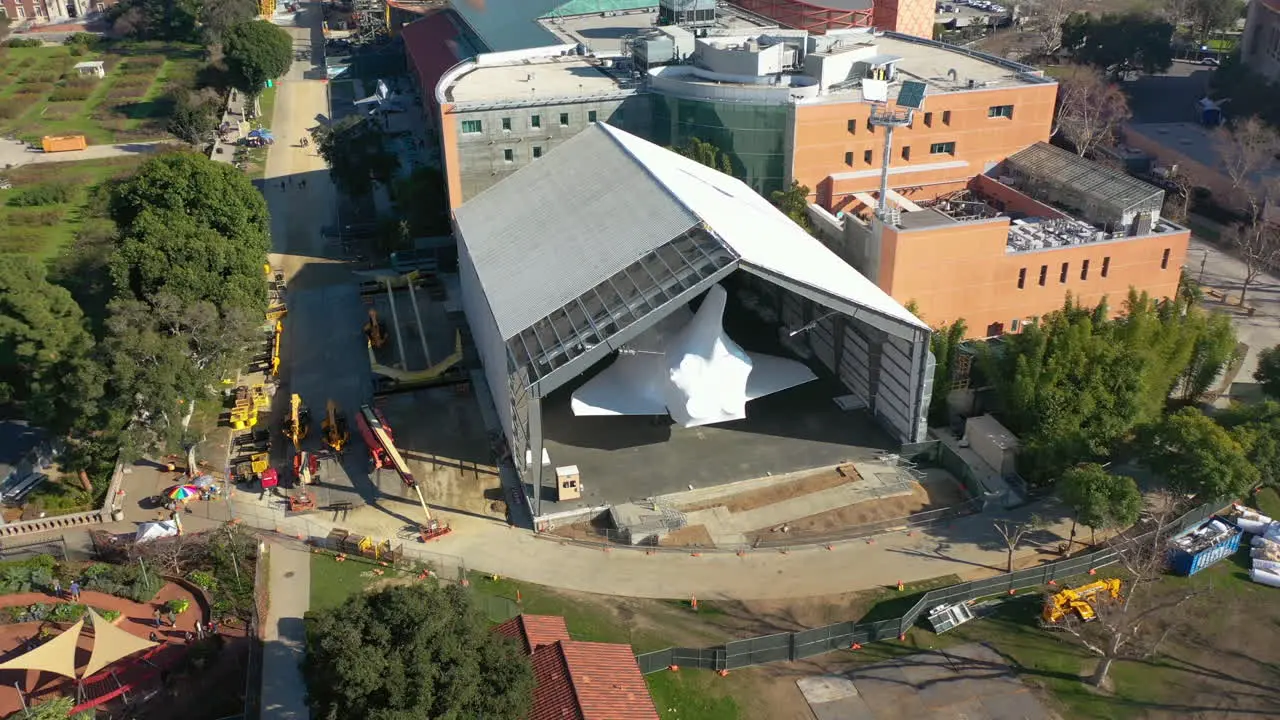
1217,527
1264,577
1257,527
1248,513
1267,552
1268,565
1272,532
1262,541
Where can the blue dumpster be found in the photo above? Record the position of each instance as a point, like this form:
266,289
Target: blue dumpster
1199,547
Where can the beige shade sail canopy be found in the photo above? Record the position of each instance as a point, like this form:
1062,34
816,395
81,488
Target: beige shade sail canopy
110,644
57,656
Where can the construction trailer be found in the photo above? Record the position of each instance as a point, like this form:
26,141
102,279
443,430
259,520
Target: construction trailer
383,452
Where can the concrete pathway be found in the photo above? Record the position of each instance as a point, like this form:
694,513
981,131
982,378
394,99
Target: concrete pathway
16,154
1216,268
284,692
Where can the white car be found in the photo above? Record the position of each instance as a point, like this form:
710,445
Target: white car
1211,61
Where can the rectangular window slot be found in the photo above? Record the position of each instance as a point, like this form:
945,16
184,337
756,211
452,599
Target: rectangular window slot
1084,270
853,127
472,127
1164,260
564,119
508,155
1000,111
942,148
906,152
866,156
506,124
1062,277
1106,266
848,159
535,121
537,152
1022,278
946,117
1044,274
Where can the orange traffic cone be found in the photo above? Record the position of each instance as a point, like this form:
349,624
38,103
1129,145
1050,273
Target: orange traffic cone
518,598
693,602
901,586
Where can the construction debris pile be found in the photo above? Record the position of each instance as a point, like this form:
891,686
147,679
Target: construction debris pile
1265,545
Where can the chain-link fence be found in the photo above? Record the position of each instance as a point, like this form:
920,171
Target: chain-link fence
842,635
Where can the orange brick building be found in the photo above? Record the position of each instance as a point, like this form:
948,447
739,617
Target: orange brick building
1003,250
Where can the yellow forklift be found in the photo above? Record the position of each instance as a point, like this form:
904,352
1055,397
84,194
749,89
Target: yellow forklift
298,423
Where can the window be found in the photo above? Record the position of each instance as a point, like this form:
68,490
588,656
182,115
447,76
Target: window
1044,273
506,124
1062,277
946,117
866,156
1016,325
848,159
870,128
1084,270
1164,260
906,152
943,148
537,152
535,121
591,116
1106,266
853,127
508,155
21,12
928,119
1000,111
564,119
471,127
1022,278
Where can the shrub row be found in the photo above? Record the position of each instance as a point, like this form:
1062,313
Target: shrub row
56,612
76,90
53,193
39,218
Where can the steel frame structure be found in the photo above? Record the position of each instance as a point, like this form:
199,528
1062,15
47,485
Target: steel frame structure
810,16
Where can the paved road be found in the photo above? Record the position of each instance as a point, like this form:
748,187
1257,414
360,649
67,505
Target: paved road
284,691
15,153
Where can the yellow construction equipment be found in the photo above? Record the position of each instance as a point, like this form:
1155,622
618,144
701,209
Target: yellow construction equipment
248,402
298,423
334,427
275,348
1079,602
375,330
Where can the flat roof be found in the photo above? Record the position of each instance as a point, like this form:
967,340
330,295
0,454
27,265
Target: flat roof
932,62
603,34
538,78
1066,169
1192,140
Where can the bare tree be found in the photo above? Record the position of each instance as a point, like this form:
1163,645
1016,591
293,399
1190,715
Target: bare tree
1012,533
1044,18
1246,150
1090,108
1184,182
1134,626
1258,244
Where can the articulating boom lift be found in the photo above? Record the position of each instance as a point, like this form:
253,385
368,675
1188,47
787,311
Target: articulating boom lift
382,451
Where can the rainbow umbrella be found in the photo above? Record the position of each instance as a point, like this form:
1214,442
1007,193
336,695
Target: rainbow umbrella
182,492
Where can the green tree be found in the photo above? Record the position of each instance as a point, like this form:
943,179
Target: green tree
1099,499
194,119
255,52
47,362
1210,16
794,203
1257,428
945,346
219,16
1196,456
175,20
356,151
1120,43
417,651
422,200
1268,371
58,708
1215,348
707,154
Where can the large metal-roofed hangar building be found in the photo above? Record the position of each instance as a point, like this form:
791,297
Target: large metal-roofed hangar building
574,256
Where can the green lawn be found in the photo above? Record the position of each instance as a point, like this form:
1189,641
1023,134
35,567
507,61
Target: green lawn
692,695
585,621
1267,501
45,231
332,582
39,96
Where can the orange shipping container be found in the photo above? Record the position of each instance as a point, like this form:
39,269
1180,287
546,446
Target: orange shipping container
62,143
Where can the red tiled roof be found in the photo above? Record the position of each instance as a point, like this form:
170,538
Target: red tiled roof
589,681
534,630
433,46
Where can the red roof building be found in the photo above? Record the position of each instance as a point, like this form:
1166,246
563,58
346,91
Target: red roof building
579,680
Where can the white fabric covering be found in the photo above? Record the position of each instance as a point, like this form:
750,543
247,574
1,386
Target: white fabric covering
1264,577
688,367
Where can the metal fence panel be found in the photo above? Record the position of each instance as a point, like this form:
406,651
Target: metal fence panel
702,658
652,662
753,651
821,640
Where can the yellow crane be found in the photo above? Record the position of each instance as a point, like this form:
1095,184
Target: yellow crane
375,330
1079,602
297,424
334,427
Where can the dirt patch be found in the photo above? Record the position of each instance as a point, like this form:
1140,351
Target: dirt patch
929,494
689,536
755,499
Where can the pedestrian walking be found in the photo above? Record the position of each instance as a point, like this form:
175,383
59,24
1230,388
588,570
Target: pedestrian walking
75,590
199,630
156,616
282,185
57,588
302,183
173,619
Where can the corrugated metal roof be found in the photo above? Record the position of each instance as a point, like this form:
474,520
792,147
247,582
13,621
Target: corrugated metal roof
509,24
1054,165
560,226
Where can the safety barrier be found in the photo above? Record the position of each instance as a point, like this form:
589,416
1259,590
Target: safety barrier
844,635
56,523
